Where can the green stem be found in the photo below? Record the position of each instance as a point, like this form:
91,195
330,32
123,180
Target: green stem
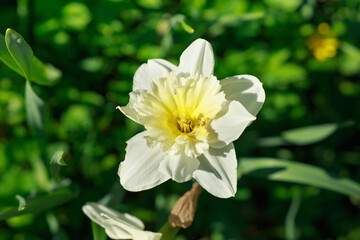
168,232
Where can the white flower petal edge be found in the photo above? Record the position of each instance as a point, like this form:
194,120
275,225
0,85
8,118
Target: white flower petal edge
129,110
153,69
140,169
217,171
231,125
246,89
179,167
198,58
118,225
136,234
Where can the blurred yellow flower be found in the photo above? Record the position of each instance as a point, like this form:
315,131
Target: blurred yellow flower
323,44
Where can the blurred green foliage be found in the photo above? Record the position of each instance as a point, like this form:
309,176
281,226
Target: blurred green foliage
95,47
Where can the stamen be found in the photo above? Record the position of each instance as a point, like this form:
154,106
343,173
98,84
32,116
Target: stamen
186,124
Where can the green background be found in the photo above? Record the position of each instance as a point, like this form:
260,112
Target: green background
97,45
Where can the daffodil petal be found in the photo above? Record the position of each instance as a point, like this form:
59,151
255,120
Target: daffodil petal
153,69
94,211
129,110
246,89
140,169
134,233
179,167
231,125
217,171
198,58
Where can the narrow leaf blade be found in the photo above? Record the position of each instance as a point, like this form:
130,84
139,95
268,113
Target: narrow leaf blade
55,165
39,204
22,203
34,109
295,172
309,135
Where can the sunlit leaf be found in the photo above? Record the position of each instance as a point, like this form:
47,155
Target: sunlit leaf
295,172
43,74
19,50
22,202
55,165
179,19
34,109
6,57
39,204
310,134
290,229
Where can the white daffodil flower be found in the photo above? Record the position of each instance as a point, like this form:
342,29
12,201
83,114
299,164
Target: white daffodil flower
191,119
118,225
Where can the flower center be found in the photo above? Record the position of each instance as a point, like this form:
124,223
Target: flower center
176,108
186,124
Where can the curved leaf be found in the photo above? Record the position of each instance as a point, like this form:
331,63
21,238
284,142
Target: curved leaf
309,135
39,204
22,202
55,164
40,73
34,109
295,172
19,50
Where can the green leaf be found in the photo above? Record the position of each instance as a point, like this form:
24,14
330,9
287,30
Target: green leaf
55,164
39,204
290,229
22,202
309,135
6,57
40,73
179,19
295,172
304,135
98,232
20,51
35,108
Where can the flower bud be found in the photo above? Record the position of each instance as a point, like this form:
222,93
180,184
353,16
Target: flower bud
183,212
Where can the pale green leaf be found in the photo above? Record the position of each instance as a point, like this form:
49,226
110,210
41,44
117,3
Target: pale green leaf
295,172
20,51
6,57
43,74
290,229
55,165
34,109
22,203
39,204
309,135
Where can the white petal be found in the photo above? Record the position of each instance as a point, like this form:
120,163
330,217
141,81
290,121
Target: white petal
246,89
154,68
135,233
129,110
179,167
230,125
94,211
217,171
140,169
198,58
